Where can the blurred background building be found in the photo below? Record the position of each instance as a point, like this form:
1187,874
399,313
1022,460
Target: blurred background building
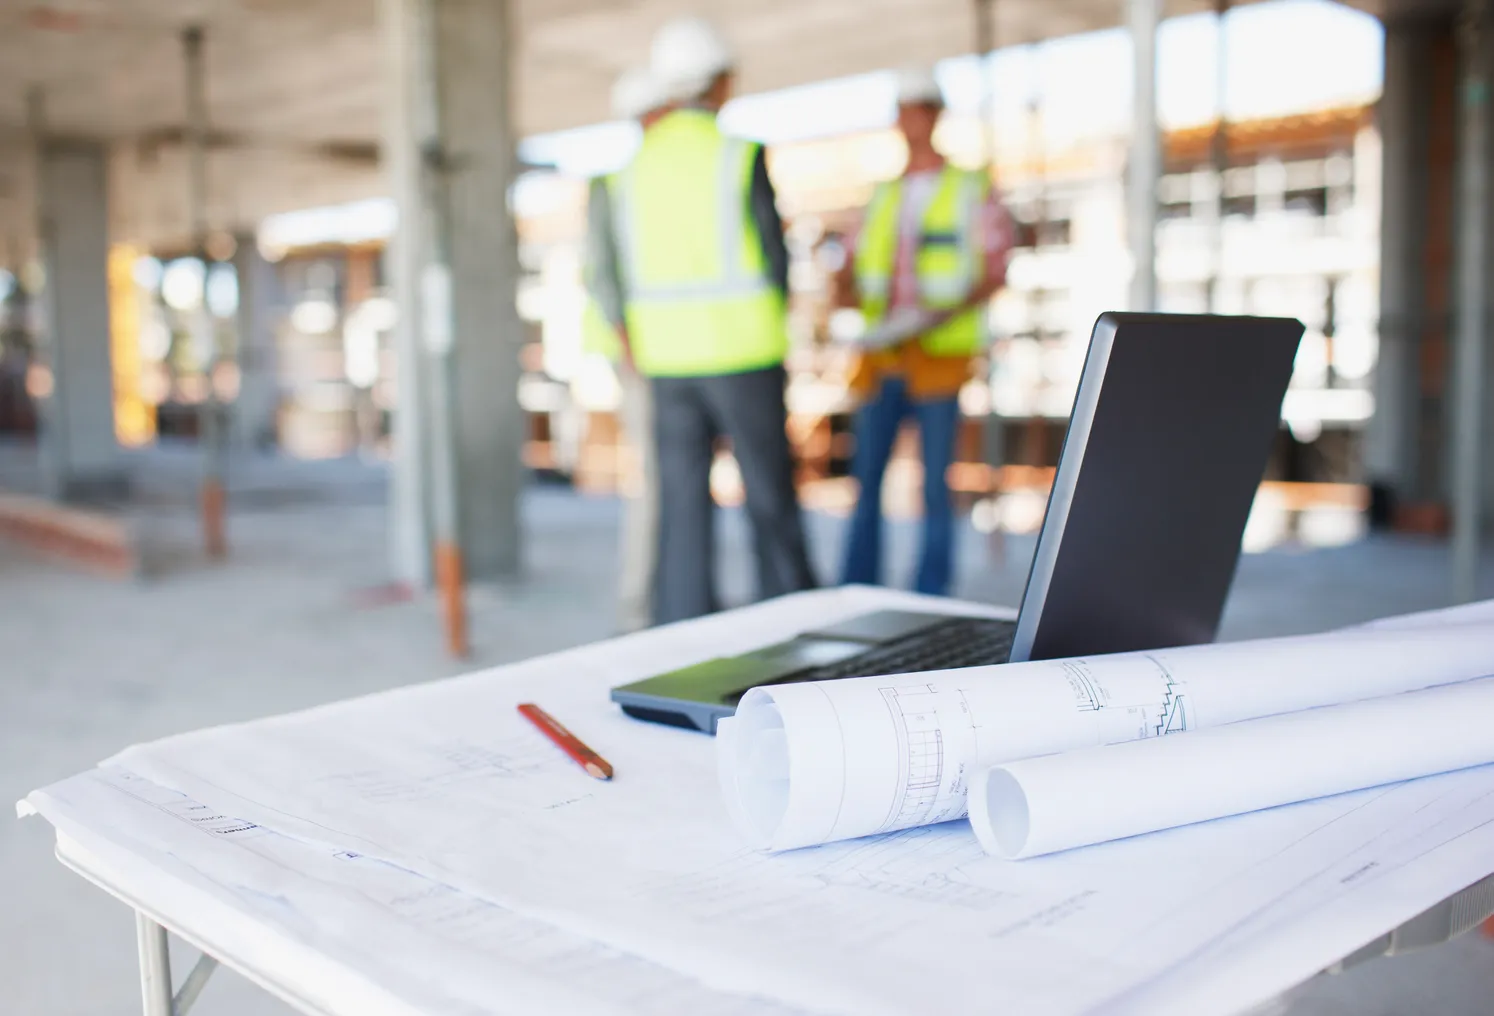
1268,203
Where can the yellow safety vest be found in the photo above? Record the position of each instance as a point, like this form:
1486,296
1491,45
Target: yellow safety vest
698,297
949,263
597,334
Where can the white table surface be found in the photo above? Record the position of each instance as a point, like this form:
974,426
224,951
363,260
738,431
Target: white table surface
323,985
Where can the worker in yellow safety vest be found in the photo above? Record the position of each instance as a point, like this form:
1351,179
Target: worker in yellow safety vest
930,254
635,96
701,261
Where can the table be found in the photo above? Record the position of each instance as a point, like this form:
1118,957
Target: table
1452,917
264,956
152,931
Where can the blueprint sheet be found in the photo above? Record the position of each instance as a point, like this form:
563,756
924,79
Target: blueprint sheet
446,781
1091,795
286,906
813,762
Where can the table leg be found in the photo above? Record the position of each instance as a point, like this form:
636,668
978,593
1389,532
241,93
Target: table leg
197,979
155,967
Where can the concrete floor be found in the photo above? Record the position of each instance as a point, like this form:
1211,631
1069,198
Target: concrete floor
88,666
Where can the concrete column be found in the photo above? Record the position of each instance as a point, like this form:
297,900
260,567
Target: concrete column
409,513
1471,337
1406,443
211,428
79,452
1145,165
451,156
993,446
1390,437
1219,155
258,399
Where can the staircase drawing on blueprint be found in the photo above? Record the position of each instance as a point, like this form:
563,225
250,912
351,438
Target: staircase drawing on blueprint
1144,704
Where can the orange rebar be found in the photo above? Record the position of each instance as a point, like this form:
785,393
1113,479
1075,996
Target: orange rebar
452,591
213,535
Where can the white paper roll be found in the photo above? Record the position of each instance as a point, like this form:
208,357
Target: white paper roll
1091,795
753,766
814,762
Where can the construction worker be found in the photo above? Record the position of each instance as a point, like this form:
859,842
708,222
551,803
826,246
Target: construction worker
703,266
931,251
635,96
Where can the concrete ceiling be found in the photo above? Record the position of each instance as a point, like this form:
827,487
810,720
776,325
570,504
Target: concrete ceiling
297,71
294,86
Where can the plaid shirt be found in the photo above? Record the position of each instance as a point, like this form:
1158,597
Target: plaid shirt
930,377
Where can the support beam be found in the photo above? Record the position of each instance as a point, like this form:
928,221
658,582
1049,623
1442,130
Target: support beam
1389,435
258,399
1472,301
985,45
409,510
452,159
1144,168
993,426
79,452
1406,441
212,496
1219,151
992,433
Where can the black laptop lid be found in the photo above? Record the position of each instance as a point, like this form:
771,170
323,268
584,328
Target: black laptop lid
1172,426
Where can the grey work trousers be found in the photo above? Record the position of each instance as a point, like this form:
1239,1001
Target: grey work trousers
640,515
690,413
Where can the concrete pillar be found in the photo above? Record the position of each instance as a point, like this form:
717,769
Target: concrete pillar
211,427
1218,156
993,445
1471,338
1407,439
451,155
79,452
1144,168
409,512
260,298
1390,437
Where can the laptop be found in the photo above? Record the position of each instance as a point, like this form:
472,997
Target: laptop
1172,426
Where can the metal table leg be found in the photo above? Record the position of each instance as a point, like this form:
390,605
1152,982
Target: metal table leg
197,979
155,967
155,972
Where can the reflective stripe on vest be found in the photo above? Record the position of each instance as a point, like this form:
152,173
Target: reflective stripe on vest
948,263
699,300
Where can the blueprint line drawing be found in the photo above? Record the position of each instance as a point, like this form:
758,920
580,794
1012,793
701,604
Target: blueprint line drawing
1172,716
891,752
915,718
1087,696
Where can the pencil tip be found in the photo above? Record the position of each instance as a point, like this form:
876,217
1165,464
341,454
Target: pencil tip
598,771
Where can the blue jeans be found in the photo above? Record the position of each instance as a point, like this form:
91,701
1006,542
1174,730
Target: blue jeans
876,429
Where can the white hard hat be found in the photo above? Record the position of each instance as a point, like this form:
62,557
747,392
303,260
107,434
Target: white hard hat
917,85
687,55
635,93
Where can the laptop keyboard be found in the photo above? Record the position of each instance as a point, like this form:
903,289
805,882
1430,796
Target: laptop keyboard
958,642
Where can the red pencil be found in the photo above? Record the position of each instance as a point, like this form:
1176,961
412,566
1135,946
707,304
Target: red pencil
567,741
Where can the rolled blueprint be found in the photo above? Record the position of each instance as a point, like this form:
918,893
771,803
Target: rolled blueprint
1042,805
809,763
